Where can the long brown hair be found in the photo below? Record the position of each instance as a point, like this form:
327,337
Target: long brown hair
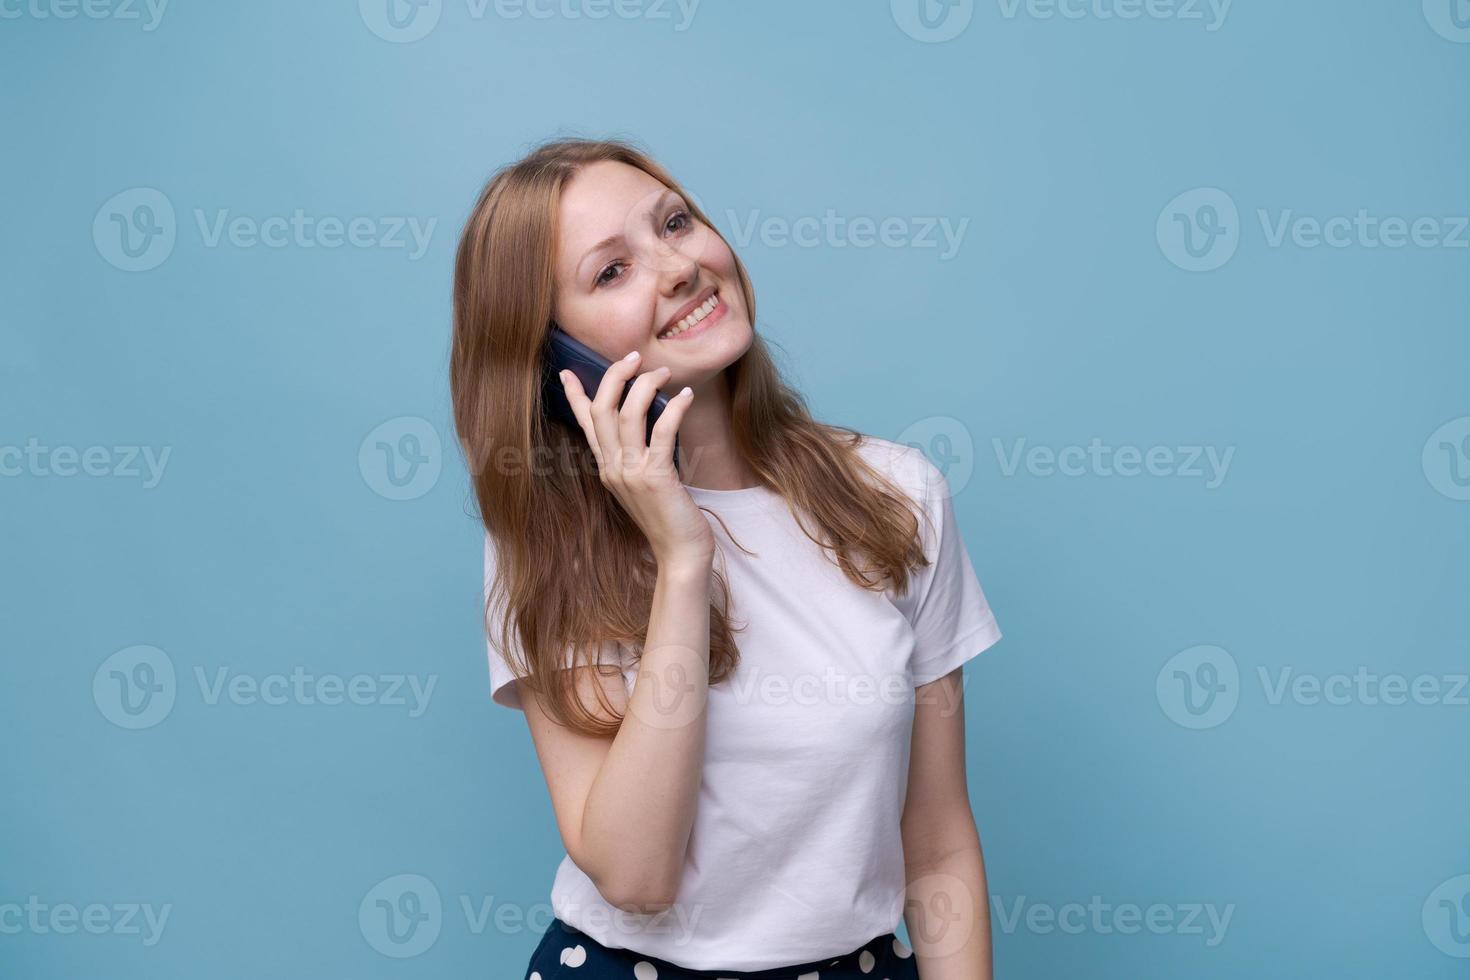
573,570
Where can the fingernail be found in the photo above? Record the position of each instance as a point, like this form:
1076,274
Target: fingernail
563,376
632,356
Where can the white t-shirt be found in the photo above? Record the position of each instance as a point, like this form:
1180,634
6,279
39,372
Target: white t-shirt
795,853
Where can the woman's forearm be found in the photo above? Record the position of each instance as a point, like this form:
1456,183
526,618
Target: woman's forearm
947,913
640,809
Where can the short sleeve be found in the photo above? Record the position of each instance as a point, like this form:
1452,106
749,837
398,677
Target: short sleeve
951,618
502,677
503,687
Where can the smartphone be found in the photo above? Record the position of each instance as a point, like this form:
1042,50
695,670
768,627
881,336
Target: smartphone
565,352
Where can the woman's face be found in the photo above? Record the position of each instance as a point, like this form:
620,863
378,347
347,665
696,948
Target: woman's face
631,261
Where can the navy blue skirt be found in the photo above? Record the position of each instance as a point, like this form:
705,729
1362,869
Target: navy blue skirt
568,953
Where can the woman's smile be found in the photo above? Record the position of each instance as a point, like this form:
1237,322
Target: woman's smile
704,317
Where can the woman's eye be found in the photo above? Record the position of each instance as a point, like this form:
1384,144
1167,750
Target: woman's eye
680,214
602,276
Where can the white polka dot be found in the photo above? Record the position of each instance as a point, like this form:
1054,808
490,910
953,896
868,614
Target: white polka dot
808,976
573,955
645,970
867,961
535,975
898,947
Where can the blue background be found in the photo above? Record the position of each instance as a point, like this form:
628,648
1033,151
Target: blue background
273,540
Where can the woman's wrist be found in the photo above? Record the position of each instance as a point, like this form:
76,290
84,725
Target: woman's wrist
693,566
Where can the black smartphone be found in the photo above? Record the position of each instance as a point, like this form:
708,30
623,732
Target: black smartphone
565,352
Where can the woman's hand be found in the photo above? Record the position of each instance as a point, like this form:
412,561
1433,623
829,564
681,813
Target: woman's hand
642,478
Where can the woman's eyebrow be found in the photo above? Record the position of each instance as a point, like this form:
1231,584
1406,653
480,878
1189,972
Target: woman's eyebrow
618,236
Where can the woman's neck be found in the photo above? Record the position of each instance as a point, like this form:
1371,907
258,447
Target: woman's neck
708,458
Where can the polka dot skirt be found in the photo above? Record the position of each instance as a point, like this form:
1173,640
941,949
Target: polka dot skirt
567,953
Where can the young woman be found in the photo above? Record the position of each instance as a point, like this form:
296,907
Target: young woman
766,809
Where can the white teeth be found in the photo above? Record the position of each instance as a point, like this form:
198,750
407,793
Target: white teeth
700,313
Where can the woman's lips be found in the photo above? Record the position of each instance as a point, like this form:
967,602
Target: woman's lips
714,316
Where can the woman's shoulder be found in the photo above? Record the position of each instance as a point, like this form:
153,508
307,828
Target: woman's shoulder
901,462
